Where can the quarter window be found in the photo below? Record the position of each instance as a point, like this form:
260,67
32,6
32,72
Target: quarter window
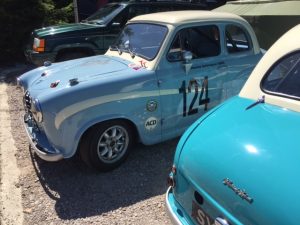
284,77
201,41
236,39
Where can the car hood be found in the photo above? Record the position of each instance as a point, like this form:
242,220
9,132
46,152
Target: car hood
258,150
65,28
84,70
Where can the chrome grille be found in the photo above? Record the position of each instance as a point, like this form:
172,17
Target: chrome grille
27,101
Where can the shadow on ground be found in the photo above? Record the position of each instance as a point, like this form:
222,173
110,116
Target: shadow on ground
8,74
80,192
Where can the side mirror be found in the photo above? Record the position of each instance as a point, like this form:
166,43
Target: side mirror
187,58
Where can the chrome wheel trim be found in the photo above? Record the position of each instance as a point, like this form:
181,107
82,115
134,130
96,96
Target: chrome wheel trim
112,144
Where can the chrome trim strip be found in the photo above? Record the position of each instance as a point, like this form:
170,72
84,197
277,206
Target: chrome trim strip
171,214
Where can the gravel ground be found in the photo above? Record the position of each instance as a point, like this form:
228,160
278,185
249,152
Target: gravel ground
67,192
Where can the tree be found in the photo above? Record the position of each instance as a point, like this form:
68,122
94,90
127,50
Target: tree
18,18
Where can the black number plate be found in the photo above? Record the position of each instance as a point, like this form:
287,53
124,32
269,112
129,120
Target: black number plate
200,215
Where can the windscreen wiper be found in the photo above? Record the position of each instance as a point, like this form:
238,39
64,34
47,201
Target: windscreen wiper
132,53
115,48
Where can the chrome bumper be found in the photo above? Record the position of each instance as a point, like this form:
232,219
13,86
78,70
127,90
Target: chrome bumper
170,212
41,151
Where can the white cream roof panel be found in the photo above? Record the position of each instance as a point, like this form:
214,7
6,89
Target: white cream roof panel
287,44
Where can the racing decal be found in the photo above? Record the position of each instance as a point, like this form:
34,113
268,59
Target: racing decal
193,84
151,123
143,63
134,66
151,105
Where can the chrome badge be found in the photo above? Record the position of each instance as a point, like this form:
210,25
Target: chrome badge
239,192
151,105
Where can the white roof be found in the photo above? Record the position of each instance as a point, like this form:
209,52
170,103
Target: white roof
187,16
288,43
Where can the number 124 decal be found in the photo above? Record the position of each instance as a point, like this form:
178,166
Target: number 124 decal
203,98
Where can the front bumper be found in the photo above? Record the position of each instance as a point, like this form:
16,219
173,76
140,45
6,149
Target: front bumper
174,211
38,58
39,141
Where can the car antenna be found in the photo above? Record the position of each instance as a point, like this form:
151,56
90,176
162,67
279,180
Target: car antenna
259,100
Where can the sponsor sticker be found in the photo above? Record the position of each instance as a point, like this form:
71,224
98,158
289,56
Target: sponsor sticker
151,123
134,66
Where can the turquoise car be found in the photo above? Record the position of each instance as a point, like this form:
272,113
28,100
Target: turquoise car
164,71
239,163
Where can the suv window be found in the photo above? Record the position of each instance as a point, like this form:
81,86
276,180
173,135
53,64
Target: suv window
104,14
236,39
284,77
202,41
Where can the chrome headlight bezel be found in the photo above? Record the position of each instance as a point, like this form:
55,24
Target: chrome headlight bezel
37,110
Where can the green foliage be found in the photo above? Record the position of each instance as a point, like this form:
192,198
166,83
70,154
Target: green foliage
18,18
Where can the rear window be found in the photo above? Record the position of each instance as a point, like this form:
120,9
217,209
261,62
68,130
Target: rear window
284,77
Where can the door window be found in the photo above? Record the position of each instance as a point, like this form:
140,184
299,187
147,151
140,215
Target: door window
284,77
236,39
203,41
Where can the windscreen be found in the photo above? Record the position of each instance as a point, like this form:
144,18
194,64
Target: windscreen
103,15
143,40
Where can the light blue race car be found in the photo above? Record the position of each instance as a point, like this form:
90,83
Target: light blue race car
164,71
239,163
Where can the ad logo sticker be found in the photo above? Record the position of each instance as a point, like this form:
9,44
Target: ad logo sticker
151,123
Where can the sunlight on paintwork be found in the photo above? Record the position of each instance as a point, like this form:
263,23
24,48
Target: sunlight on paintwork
251,149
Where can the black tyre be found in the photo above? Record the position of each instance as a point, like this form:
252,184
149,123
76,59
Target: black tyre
70,55
106,146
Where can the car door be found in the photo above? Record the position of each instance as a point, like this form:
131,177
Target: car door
189,88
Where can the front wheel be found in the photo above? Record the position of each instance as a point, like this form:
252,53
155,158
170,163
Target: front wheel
107,145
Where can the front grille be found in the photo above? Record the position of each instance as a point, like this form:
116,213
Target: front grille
28,117
27,101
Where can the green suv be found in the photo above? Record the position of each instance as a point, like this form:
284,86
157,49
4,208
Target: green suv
95,34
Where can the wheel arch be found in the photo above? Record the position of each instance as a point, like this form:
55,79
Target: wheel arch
65,48
86,50
89,126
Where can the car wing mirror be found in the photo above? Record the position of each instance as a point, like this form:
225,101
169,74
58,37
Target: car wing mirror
187,57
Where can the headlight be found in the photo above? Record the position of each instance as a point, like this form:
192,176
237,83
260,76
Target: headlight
38,45
37,111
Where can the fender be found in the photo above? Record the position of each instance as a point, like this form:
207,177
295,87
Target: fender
89,46
95,121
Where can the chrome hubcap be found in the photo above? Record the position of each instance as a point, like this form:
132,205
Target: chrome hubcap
112,144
